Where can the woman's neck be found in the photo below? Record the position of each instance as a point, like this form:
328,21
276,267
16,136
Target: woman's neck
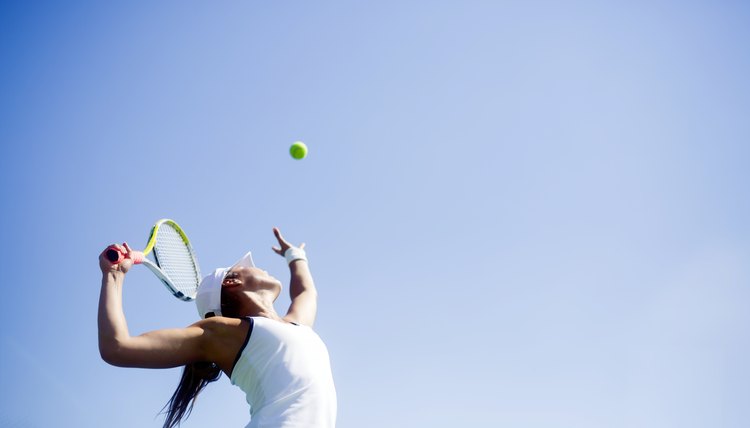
260,305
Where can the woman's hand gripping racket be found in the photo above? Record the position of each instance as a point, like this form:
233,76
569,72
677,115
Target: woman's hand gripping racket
174,261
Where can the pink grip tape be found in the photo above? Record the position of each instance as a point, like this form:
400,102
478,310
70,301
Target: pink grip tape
136,256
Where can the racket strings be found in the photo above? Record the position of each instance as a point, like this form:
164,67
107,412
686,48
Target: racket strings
175,258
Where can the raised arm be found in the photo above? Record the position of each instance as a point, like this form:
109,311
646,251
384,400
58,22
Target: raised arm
304,296
156,349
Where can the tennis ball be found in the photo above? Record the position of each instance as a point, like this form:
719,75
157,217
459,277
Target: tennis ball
298,150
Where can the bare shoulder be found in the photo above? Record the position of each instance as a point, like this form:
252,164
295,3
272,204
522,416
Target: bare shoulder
220,326
218,322
224,338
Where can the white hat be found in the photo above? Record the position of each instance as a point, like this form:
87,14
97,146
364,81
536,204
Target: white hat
208,298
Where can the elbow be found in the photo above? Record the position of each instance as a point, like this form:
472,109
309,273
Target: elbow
108,355
111,354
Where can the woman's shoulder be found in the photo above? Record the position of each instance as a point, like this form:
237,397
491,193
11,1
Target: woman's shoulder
222,324
225,337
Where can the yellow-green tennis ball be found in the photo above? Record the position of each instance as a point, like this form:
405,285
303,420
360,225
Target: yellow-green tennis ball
298,150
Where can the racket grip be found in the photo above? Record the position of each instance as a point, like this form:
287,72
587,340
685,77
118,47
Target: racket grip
115,256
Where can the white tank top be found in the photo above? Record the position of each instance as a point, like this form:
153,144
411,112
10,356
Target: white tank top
285,372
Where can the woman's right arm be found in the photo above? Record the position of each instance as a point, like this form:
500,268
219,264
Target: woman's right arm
156,349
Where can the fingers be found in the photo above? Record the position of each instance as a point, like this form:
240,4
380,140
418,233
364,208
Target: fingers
120,248
124,250
280,238
283,243
111,258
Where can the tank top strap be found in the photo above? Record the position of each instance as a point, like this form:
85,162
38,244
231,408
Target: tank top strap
251,321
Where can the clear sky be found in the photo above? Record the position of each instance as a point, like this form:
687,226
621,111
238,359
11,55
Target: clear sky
528,214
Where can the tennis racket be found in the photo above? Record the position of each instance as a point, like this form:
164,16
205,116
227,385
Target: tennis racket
174,261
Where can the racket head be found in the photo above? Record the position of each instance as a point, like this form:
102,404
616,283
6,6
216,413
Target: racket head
173,259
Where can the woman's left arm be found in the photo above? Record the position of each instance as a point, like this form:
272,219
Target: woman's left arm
302,291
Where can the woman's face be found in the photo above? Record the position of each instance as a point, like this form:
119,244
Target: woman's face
238,286
250,279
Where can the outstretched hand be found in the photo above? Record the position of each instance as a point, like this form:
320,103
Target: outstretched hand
123,266
283,244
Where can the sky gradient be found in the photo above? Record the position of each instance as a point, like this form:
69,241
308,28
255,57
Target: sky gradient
521,214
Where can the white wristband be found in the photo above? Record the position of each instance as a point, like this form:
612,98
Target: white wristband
293,254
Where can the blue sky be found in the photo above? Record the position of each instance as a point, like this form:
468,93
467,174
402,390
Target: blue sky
526,214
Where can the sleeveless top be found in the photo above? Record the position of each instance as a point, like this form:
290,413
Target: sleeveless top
285,372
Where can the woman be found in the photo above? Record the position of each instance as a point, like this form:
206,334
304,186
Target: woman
279,362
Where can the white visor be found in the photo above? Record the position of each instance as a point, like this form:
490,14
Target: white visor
208,299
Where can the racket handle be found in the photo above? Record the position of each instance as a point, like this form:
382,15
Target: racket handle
115,256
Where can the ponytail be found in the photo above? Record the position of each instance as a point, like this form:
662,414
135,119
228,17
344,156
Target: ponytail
195,377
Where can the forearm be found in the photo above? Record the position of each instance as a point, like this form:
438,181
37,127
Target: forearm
302,291
301,279
113,328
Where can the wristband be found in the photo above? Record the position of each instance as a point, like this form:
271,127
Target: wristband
293,254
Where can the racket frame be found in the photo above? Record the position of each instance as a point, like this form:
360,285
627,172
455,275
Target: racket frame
153,265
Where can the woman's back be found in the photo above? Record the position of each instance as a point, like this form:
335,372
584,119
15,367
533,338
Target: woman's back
284,370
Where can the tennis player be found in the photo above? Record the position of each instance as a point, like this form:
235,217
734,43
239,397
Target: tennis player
280,363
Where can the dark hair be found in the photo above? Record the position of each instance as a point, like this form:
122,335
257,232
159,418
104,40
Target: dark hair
195,377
